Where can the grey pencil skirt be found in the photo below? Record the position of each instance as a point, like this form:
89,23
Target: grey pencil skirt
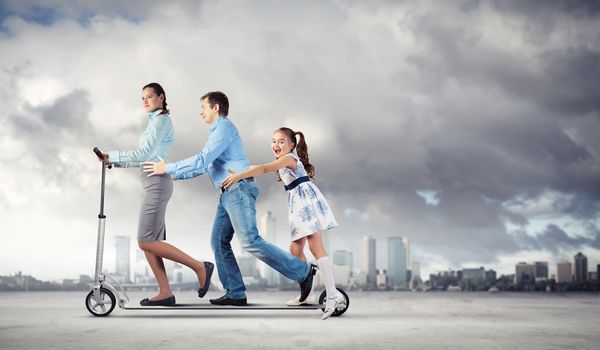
157,192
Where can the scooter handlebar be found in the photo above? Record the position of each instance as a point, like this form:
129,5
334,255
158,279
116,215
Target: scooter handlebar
101,156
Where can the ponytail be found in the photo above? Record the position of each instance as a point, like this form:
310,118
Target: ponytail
302,151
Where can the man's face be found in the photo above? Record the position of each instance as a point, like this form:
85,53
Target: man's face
209,115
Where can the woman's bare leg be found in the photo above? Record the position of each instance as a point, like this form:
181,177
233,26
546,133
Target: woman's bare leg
158,269
167,251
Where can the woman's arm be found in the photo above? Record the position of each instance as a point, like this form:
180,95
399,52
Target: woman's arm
155,132
260,169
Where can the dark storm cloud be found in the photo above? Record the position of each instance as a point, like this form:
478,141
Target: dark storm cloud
547,10
581,206
570,80
556,240
48,129
509,134
402,97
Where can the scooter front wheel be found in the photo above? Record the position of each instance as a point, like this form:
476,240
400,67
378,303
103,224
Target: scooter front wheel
103,307
338,311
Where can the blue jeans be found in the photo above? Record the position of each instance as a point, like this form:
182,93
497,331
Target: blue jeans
236,213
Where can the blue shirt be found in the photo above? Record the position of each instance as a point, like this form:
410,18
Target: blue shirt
223,150
153,143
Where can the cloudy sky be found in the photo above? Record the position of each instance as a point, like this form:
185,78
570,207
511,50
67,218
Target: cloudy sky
470,127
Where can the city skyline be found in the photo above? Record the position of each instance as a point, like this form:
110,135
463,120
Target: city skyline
527,276
139,269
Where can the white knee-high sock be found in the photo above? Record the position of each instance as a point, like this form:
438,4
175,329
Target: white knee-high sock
326,268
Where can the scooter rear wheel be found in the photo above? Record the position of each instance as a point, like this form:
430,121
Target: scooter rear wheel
102,308
337,312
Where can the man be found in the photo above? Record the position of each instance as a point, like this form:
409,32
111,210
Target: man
236,211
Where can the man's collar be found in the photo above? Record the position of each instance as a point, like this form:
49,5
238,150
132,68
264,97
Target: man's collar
214,124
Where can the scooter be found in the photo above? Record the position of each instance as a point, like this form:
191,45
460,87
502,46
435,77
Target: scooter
107,292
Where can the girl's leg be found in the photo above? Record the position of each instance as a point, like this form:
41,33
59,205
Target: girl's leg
158,269
165,250
297,248
315,243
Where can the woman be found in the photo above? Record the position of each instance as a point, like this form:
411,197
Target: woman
153,145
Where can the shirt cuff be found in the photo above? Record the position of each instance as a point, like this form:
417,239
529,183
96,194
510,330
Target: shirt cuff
170,168
113,157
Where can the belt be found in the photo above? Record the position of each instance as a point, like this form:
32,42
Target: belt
248,179
296,182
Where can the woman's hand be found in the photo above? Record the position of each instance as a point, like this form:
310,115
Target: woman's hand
231,180
155,168
104,157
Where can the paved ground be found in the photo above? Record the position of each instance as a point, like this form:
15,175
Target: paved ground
385,320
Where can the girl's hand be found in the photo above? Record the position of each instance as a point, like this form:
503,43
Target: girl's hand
155,168
230,180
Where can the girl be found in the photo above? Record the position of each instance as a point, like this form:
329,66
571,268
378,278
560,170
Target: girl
153,145
309,212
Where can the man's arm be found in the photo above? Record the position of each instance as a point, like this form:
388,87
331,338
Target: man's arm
195,165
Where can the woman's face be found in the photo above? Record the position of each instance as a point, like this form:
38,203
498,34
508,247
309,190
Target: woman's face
151,101
281,144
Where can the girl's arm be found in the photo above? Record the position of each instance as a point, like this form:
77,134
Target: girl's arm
260,169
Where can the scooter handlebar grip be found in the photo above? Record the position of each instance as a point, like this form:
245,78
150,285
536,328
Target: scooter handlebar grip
101,156
98,153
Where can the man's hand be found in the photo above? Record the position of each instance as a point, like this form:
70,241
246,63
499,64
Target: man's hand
230,180
155,168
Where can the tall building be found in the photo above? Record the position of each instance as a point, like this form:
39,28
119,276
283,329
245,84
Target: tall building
343,258
415,268
397,261
541,270
580,267
415,276
490,276
268,227
564,272
368,260
382,279
123,259
473,274
406,243
174,271
525,273
342,267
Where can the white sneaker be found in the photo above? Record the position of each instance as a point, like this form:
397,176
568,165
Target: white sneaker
332,304
311,299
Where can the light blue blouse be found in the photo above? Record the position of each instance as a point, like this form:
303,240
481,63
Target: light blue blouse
154,142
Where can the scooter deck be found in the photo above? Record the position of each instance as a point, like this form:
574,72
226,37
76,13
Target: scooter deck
224,307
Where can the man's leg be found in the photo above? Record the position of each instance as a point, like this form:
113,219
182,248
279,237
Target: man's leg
227,267
240,204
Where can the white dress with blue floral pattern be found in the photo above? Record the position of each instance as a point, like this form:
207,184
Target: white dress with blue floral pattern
308,209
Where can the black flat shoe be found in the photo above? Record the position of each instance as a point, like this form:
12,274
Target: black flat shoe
225,300
170,301
306,284
208,267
